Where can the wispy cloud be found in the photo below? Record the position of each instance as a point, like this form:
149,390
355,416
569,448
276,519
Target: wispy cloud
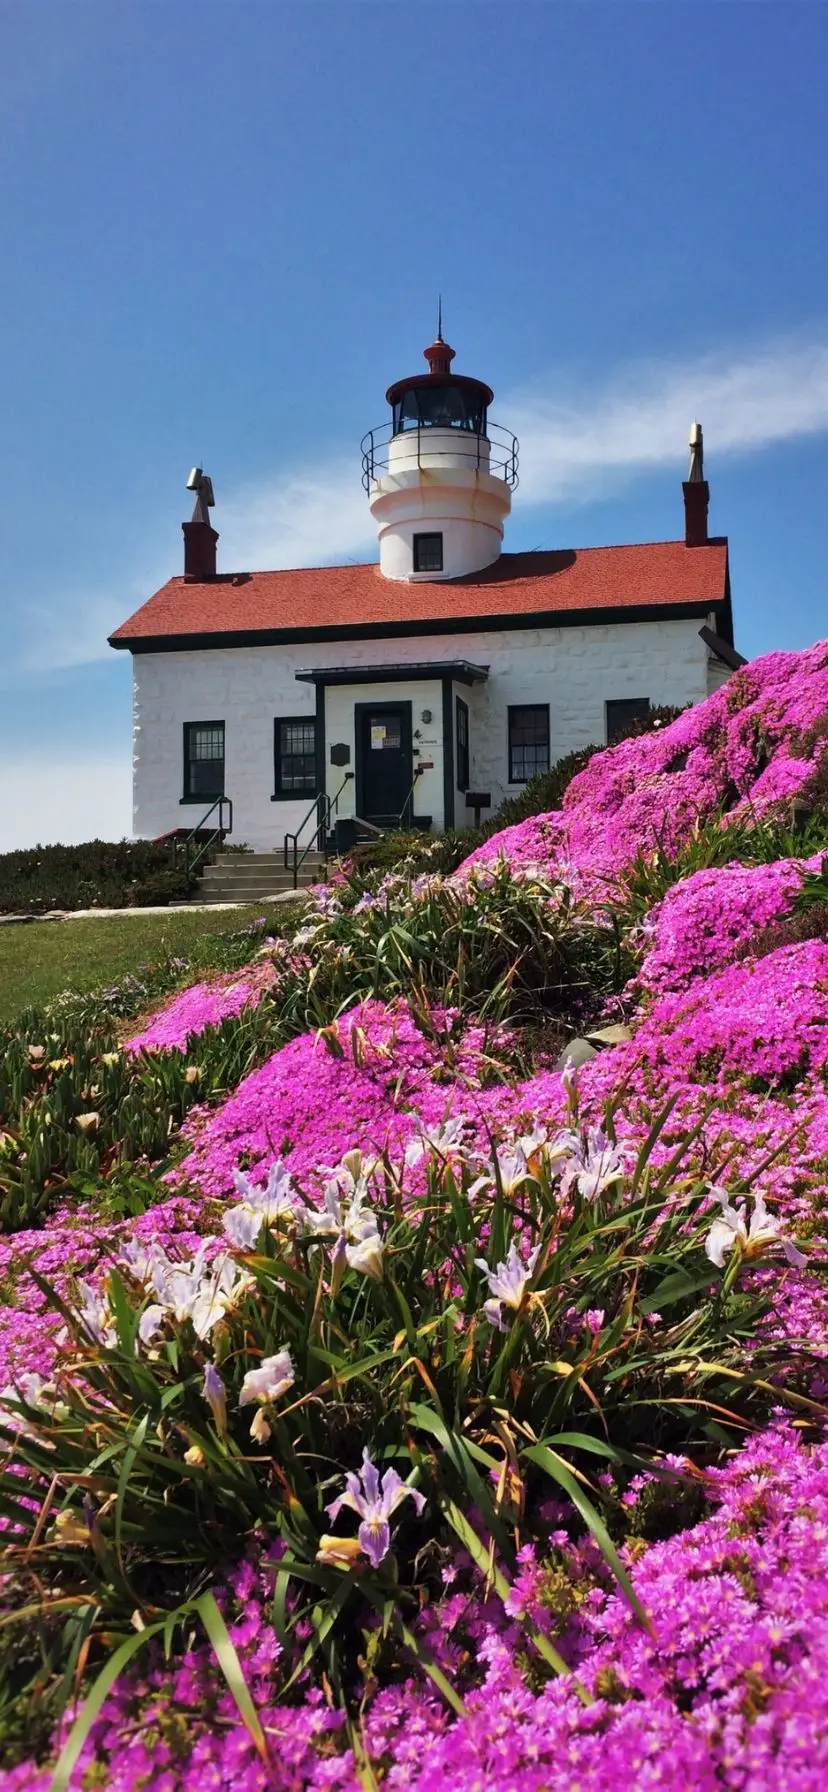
575,447
572,451
304,519
60,637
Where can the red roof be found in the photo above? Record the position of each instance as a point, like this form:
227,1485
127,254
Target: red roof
319,600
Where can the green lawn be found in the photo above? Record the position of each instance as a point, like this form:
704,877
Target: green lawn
43,957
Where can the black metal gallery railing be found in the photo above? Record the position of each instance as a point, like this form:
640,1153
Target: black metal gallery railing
499,456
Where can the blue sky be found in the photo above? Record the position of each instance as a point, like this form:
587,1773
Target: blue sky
224,230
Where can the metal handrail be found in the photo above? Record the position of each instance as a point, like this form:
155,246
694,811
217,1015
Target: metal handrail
369,826
466,446
410,798
295,838
323,807
194,850
333,802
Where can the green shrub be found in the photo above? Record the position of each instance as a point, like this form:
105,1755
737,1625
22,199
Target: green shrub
99,874
413,853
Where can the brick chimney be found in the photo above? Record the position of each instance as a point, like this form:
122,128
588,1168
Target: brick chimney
696,493
200,538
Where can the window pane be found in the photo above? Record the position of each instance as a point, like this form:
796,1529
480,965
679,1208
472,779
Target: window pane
621,712
296,757
298,737
206,777
528,741
207,743
428,553
204,759
440,406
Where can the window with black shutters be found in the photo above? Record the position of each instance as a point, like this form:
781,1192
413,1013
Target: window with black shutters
621,712
295,755
203,761
528,741
461,712
428,553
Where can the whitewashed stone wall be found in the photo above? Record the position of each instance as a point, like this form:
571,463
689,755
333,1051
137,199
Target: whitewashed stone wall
575,670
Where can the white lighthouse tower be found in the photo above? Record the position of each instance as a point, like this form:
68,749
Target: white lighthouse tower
439,476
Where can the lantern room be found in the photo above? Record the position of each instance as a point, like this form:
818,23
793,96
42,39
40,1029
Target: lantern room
439,399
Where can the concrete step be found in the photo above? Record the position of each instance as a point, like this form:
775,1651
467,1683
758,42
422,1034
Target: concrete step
218,871
259,861
252,881
248,891
270,874
254,876
274,868
266,880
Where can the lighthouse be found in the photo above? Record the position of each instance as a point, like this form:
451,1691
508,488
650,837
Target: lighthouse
439,475
304,708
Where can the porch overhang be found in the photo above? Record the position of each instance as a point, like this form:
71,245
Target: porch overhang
462,671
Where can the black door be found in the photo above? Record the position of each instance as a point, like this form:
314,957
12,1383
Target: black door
384,762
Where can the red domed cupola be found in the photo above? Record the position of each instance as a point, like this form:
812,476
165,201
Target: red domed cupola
439,356
439,399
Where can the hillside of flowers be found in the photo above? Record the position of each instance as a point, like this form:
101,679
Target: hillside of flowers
414,1336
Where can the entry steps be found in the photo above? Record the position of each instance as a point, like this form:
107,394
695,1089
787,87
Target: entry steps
254,876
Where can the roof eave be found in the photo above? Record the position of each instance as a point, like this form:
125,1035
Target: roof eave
208,640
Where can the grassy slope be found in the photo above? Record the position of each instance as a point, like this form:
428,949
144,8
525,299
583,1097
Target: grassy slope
39,960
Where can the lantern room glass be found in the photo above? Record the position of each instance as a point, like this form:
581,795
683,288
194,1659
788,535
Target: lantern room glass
443,406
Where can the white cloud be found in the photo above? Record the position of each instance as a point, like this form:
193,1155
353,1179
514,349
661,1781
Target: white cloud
47,803
573,451
574,446
304,519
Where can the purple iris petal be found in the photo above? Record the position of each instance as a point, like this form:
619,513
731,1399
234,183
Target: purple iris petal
370,1479
375,1539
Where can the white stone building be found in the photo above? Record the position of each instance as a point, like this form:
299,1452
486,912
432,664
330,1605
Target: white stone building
429,685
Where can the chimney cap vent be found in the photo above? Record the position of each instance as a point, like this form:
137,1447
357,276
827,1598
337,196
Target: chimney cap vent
696,442
201,483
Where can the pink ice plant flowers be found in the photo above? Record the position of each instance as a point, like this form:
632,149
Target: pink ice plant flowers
749,738
204,1005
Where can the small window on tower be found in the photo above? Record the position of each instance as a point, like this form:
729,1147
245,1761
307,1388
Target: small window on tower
428,553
